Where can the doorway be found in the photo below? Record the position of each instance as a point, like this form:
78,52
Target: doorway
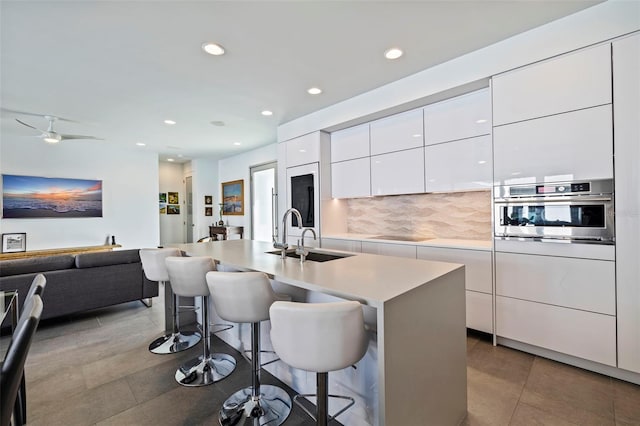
263,201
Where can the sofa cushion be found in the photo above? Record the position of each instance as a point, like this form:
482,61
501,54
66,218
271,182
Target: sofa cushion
35,264
106,258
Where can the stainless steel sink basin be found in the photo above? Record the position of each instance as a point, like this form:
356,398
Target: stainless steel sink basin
314,256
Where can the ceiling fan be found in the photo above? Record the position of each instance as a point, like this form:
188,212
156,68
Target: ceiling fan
50,135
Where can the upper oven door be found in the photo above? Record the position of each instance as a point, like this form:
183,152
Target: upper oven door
303,194
573,218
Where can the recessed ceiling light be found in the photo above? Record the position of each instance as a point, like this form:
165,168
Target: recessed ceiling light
141,144
393,53
266,112
237,143
314,91
170,159
218,123
417,135
482,120
169,122
482,161
213,48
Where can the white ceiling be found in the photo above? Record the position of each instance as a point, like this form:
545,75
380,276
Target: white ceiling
122,67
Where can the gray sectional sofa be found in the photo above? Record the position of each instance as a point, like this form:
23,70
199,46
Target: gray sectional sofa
80,282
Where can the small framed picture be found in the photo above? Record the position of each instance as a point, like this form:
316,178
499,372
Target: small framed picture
163,208
13,243
172,198
173,209
162,197
208,211
208,200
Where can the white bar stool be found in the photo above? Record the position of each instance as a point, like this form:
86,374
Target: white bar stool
245,297
155,270
187,276
319,337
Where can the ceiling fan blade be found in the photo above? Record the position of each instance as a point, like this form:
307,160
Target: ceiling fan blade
64,137
13,111
29,125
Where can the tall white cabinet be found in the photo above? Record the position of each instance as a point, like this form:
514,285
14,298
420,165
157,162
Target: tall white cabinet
626,96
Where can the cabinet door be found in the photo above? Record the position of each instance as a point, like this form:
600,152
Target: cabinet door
386,249
584,284
398,172
572,146
350,143
626,89
304,149
570,331
462,117
478,265
567,83
345,245
398,132
479,311
459,165
351,178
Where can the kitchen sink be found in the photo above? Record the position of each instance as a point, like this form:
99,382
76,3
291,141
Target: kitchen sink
314,256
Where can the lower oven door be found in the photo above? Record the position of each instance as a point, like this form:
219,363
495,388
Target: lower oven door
580,220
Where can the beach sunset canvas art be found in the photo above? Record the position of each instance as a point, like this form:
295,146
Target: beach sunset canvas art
40,197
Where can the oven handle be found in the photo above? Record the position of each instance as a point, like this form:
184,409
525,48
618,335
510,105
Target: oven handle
558,199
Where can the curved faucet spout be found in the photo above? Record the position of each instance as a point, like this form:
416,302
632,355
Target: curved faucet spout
283,244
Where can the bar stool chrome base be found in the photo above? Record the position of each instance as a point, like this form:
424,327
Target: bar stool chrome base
201,372
175,342
271,408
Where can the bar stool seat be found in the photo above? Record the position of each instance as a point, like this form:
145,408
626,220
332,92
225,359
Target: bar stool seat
155,269
319,337
245,297
187,276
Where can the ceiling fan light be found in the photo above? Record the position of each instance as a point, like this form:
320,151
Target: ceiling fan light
50,139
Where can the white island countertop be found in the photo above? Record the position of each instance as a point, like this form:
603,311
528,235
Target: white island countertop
457,243
418,360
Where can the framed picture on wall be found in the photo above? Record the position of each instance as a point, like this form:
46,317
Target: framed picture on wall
171,209
172,198
208,200
208,211
13,243
233,197
163,208
162,197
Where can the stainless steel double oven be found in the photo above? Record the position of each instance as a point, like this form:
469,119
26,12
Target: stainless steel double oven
581,212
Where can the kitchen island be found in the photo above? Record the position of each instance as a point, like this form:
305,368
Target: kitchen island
419,367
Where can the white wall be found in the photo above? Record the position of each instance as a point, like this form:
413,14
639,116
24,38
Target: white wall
171,179
204,174
238,167
593,25
129,192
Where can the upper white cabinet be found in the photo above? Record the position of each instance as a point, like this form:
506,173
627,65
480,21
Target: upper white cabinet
396,133
571,146
350,143
398,172
459,165
461,117
566,83
626,95
351,178
304,149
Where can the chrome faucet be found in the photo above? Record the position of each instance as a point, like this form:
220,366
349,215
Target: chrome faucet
283,246
300,250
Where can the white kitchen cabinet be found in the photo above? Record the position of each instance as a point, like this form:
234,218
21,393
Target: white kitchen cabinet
304,149
344,245
397,132
479,311
461,117
398,172
389,249
350,143
572,146
584,284
351,178
566,83
478,265
574,332
626,94
460,165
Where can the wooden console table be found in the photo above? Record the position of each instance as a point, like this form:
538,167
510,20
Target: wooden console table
50,252
225,231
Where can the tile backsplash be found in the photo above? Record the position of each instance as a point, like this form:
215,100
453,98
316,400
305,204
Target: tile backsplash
464,215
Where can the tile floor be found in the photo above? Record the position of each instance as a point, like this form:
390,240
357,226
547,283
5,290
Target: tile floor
95,369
